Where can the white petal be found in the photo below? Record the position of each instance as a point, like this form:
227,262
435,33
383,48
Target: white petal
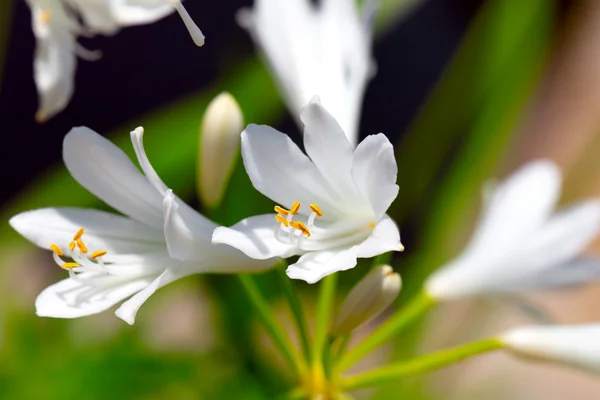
129,309
328,147
54,63
577,346
374,172
385,237
314,266
119,234
188,234
574,272
107,172
137,139
519,205
255,237
72,299
279,170
139,12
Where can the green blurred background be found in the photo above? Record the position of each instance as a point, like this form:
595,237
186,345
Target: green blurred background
468,90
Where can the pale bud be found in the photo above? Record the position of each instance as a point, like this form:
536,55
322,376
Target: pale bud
373,294
219,146
576,346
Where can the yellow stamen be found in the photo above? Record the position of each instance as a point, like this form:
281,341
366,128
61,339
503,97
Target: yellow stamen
282,220
56,249
281,210
315,208
98,253
372,225
72,246
81,246
295,208
69,265
45,16
301,227
79,234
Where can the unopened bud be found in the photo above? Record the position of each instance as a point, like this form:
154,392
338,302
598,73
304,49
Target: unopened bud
219,146
373,294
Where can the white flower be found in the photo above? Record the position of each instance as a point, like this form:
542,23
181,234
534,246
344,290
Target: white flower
158,240
336,199
57,24
324,51
520,243
577,346
369,298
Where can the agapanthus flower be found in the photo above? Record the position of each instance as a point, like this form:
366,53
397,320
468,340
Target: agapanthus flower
57,24
332,201
110,257
322,50
520,241
576,345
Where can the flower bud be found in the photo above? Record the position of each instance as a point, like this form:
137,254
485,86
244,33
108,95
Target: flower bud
219,146
577,346
373,294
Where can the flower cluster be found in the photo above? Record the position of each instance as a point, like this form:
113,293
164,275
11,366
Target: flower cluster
330,203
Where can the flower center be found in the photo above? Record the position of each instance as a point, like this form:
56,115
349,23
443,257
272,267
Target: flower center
294,232
79,259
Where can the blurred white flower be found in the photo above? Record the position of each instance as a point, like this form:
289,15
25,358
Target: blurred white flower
322,50
160,239
336,197
521,243
369,298
57,25
219,147
577,346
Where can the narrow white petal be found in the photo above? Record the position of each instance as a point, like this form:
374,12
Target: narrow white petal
137,139
139,12
279,170
374,172
572,273
188,234
385,237
119,234
577,346
255,237
519,205
314,266
129,309
107,172
328,147
72,299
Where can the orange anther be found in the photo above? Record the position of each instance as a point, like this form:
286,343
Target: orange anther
98,253
315,208
281,210
282,220
45,16
69,265
79,234
81,246
72,246
295,208
56,249
301,227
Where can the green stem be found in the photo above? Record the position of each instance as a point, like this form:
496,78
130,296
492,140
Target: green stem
388,330
326,299
296,307
266,316
421,364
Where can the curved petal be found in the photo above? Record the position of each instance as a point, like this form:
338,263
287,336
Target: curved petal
119,234
255,237
279,170
385,237
137,140
374,172
72,299
518,206
188,234
312,267
136,12
55,62
104,170
328,147
129,309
